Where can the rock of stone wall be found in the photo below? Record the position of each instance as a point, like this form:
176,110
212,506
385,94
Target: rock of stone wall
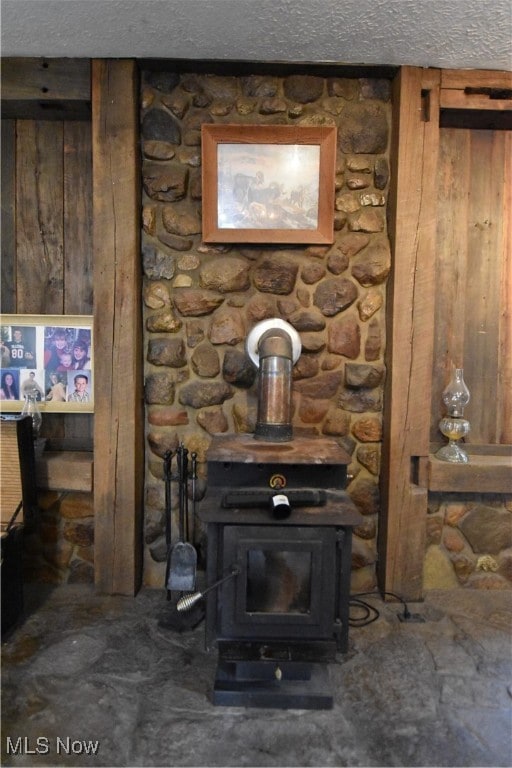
60,544
473,537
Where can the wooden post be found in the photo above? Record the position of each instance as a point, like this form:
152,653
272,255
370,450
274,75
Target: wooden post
410,332
118,432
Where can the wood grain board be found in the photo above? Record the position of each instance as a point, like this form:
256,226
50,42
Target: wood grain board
474,280
118,434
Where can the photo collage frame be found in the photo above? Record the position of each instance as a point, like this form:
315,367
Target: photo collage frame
49,356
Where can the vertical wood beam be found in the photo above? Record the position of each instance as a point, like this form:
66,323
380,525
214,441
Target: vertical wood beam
118,431
410,331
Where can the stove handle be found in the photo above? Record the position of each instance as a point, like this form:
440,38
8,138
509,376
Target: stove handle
186,602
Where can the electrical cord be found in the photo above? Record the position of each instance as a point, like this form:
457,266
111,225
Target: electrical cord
370,613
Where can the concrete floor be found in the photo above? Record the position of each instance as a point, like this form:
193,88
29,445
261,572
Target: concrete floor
84,669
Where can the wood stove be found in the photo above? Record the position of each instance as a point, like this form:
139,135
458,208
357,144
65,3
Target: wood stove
279,528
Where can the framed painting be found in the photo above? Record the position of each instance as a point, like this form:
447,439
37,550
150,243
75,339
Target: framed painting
268,183
50,356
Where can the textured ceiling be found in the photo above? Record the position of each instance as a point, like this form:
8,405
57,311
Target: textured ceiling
474,34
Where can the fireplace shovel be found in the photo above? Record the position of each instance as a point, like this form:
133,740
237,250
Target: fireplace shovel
183,556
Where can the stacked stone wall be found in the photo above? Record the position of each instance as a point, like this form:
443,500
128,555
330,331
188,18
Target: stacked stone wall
59,541
469,541
200,301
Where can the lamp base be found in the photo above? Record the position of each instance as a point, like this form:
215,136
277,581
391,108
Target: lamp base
453,453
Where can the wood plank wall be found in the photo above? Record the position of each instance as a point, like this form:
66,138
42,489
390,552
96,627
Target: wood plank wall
8,197
474,279
48,255
469,288
47,230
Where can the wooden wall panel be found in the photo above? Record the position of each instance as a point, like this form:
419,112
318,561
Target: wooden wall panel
505,374
39,217
452,238
484,273
8,222
78,255
119,423
473,278
78,262
47,231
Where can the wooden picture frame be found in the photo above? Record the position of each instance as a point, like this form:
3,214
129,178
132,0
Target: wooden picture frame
268,183
51,355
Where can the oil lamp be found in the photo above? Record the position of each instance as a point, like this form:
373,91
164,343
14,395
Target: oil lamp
454,426
31,409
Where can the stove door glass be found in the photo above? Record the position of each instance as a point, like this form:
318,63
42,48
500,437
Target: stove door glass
287,581
278,581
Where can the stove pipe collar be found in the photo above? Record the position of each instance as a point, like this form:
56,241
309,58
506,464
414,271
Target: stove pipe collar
274,324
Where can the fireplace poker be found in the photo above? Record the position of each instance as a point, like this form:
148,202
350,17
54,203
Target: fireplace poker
193,457
168,513
184,491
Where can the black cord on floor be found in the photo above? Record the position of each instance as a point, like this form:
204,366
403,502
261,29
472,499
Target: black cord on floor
370,613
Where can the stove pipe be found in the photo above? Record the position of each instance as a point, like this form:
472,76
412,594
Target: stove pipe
274,346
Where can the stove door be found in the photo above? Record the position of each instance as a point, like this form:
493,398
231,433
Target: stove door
286,587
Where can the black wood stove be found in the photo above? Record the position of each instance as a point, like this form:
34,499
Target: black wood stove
279,528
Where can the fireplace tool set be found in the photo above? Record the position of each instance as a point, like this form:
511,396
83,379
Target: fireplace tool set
181,561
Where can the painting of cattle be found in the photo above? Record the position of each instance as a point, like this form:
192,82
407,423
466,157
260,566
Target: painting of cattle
268,186
277,188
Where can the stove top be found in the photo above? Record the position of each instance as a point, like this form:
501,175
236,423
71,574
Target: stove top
244,475
301,450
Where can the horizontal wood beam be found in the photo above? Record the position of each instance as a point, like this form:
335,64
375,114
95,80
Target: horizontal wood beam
46,89
455,99
475,78
481,90
482,474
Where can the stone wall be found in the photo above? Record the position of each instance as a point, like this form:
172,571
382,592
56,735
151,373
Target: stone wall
59,543
200,301
469,541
